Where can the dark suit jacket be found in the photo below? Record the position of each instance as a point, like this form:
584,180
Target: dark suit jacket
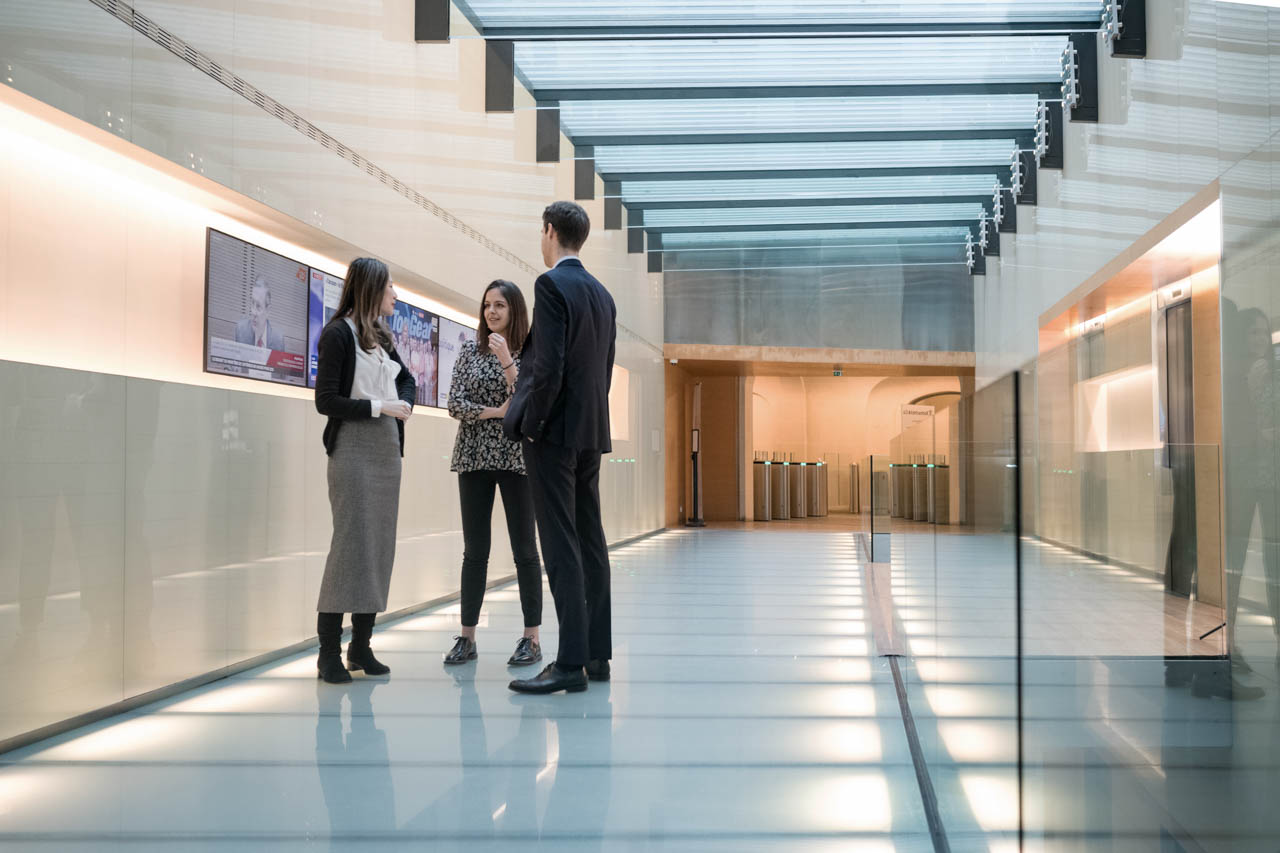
336,373
562,395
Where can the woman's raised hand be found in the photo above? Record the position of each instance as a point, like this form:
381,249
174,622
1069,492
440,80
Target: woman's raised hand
498,346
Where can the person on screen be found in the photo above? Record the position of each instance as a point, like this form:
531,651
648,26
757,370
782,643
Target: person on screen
418,365
484,460
255,329
367,393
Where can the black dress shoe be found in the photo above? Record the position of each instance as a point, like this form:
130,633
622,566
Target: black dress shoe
527,652
551,680
598,670
462,651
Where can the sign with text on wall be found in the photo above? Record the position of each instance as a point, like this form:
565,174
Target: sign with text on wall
912,415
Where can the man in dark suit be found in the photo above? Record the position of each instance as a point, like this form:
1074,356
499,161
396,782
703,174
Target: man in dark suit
560,411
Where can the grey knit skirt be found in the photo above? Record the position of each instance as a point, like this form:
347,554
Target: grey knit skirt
364,493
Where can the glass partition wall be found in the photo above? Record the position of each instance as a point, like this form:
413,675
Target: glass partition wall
1146,678
1067,654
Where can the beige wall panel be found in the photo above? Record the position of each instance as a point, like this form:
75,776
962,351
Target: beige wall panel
204,520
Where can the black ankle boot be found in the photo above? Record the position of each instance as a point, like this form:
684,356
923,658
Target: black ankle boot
359,655
329,664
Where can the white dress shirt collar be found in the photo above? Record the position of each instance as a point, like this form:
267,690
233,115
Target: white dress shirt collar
566,258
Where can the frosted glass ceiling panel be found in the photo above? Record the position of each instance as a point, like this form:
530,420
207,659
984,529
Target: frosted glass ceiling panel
616,159
830,237
654,13
780,115
800,188
697,63
793,215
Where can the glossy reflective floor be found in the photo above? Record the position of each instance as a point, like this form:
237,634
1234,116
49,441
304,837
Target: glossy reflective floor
748,711
745,714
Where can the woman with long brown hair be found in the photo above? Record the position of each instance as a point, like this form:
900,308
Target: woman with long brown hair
486,460
367,393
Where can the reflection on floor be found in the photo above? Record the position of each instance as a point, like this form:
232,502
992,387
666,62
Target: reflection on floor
747,713
1126,746
744,714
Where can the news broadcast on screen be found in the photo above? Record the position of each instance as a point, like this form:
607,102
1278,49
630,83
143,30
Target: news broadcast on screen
255,312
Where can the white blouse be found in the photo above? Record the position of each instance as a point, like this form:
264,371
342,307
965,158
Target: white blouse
376,373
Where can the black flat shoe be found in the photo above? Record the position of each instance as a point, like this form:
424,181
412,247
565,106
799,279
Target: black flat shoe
598,670
462,651
527,652
552,680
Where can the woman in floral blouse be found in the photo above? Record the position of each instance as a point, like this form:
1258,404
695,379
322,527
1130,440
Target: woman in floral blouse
485,460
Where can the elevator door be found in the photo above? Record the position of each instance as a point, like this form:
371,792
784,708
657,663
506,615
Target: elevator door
1180,563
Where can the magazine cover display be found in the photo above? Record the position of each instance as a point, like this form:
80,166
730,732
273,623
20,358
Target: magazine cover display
415,332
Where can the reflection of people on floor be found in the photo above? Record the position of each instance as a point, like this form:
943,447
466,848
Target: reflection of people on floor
472,802
577,804
480,806
360,800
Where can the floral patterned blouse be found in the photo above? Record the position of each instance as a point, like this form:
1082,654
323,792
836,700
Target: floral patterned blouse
479,383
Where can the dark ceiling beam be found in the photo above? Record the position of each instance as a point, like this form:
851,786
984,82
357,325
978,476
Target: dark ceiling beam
547,133
430,21
562,31
1132,41
1046,89
612,206
584,173
499,77
1009,224
1023,136
1086,45
807,226
994,169
1053,157
705,204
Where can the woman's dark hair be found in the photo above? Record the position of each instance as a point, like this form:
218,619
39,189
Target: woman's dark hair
517,317
362,301
570,222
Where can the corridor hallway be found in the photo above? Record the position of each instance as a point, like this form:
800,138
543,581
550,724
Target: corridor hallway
746,713
749,711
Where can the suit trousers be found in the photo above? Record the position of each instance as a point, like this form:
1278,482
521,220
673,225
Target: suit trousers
566,500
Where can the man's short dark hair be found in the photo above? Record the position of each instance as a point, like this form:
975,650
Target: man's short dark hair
570,222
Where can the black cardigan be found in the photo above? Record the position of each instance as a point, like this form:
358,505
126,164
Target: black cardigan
335,373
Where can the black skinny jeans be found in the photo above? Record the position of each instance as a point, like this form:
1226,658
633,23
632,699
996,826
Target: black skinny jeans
476,490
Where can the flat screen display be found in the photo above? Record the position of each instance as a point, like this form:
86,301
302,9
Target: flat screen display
416,333
255,312
322,304
452,337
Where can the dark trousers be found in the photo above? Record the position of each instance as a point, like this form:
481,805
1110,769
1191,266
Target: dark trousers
476,490
566,499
